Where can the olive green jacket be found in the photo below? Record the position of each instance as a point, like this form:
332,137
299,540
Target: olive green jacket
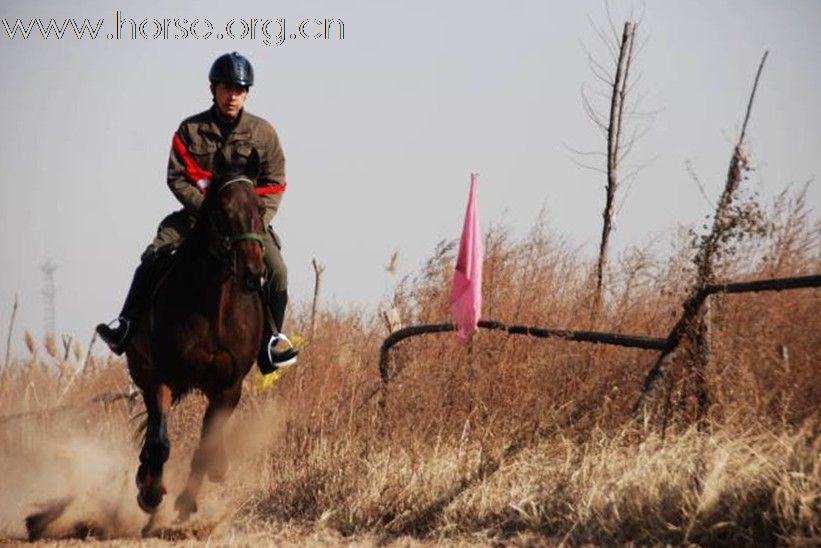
202,138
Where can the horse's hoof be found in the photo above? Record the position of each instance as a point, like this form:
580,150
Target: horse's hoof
149,498
149,502
37,523
150,490
185,505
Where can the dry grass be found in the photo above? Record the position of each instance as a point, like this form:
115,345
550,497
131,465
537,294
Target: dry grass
511,440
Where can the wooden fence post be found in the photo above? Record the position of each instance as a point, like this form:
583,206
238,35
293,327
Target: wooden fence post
11,327
701,358
318,270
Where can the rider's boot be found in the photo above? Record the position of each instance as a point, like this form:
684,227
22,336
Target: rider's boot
118,333
276,351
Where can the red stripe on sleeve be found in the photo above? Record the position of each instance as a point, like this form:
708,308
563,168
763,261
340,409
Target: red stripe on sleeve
195,173
272,189
192,169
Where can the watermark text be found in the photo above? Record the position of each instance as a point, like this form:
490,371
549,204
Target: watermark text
269,31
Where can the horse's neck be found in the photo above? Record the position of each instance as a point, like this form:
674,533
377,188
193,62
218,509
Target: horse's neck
203,281
196,256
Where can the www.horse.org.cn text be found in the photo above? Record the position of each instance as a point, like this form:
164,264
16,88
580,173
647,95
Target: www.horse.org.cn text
268,31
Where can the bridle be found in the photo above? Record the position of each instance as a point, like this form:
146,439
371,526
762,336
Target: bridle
229,241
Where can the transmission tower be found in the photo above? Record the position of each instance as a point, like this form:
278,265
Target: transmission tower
49,293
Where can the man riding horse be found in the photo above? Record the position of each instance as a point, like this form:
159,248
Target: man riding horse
225,127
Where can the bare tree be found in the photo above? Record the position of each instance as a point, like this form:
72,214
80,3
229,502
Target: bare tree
614,136
616,82
692,322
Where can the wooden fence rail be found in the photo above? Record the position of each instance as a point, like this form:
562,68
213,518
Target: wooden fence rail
618,339
666,345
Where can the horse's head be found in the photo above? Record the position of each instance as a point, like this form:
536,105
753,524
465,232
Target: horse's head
234,213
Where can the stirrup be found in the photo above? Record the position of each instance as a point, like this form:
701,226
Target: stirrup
271,358
116,338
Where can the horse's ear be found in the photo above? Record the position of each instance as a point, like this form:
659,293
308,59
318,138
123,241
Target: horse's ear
253,165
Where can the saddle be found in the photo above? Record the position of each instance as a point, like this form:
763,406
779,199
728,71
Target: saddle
159,265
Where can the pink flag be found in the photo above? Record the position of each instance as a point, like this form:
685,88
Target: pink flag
466,293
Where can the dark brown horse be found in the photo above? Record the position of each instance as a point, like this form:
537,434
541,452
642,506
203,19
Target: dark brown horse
202,330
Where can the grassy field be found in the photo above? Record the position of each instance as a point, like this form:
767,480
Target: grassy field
509,440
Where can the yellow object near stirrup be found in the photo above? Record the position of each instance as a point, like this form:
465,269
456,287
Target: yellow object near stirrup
265,382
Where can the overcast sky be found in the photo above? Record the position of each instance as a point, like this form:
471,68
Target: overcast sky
381,130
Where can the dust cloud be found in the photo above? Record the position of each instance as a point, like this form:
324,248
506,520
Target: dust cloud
72,476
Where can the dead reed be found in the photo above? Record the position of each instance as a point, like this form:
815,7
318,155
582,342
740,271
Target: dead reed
510,440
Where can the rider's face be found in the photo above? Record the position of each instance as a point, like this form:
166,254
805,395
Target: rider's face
229,98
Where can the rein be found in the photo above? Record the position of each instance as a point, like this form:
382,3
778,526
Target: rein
241,178
229,241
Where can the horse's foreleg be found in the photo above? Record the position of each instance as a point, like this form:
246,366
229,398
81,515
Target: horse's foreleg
209,458
155,450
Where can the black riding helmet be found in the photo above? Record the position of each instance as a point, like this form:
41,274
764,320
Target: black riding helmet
232,68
